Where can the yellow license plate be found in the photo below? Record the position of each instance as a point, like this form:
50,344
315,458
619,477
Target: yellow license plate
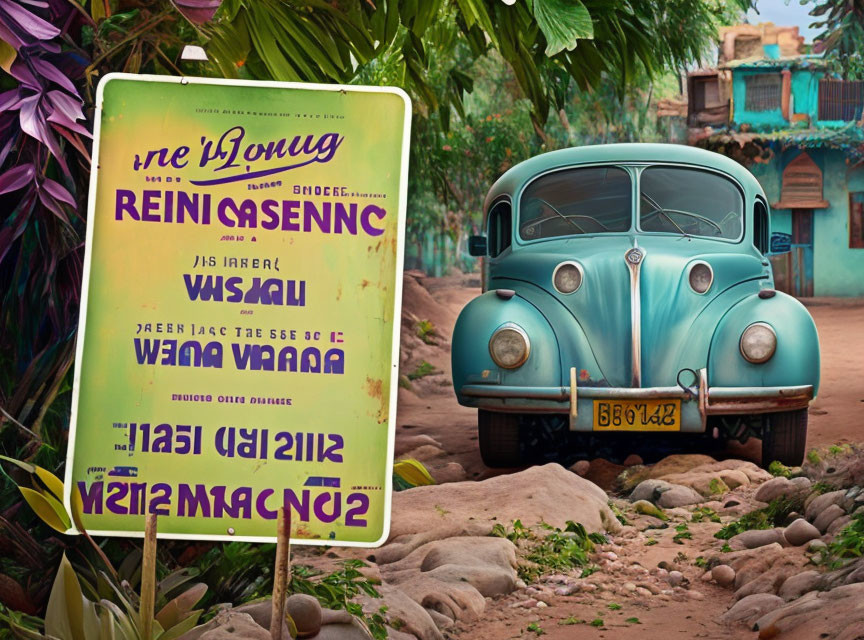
637,415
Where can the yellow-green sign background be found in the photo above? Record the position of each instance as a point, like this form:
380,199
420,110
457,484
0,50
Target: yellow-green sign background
136,277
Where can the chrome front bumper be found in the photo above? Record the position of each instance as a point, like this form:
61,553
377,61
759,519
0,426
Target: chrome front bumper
697,403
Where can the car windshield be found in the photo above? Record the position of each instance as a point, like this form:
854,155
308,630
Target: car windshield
689,202
576,201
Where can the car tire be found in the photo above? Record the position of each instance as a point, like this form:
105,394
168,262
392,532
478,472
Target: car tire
500,444
785,438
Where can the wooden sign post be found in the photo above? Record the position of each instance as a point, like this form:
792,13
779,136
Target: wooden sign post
281,572
148,578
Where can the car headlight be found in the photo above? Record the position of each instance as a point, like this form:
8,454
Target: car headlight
567,277
701,276
758,343
509,346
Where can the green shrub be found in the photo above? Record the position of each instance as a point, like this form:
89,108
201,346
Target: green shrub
849,543
779,470
556,551
774,515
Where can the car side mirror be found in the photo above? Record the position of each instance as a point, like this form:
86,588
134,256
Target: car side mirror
477,246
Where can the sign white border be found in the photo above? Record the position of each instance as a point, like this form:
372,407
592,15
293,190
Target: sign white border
397,306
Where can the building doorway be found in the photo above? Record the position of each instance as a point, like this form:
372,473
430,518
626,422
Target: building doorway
801,275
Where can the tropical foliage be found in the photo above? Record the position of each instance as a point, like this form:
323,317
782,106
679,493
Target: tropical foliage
842,36
492,81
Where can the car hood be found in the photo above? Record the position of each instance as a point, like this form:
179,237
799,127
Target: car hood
676,323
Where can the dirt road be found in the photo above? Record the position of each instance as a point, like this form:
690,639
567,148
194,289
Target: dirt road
429,415
836,415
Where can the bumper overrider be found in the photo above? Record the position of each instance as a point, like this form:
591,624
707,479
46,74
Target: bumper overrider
584,405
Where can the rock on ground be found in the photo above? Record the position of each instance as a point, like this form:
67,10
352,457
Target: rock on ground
723,574
776,488
837,614
547,493
228,625
799,584
665,494
703,474
748,610
455,576
800,532
756,538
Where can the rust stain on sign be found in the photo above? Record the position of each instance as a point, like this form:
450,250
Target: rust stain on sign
375,389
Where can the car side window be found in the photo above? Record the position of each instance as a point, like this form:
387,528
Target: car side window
500,227
761,235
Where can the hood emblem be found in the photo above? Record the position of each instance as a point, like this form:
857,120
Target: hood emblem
634,255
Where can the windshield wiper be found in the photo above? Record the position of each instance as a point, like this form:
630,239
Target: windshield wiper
660,209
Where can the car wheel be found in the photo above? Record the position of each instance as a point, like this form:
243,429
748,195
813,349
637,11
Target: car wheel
500,445
785,438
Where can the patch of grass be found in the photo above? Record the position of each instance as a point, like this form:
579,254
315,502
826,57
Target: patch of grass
619,515
404,382
683,533
771,516
632,621
725,548
717,487
338,589
426,331
614,606
650,542
536,628
839,449
572,620
704,514
849,543
813,457
700,562
779,470
423,369
597,622
822,487
557,550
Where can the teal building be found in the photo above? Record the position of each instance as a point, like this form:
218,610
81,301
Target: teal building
798,129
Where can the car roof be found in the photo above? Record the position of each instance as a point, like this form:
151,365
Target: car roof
515,177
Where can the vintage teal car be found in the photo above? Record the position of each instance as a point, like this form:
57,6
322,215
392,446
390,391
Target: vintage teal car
627,289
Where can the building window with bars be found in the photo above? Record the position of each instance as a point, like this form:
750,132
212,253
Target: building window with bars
763,92
856,220
841,99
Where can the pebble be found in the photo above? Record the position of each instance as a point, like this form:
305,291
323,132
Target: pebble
696,595
756,538
530,603
306,612
827,516
816,545
675,578
800,532
567,590
629,586
643,592
581,468
542,605
608,555
723,574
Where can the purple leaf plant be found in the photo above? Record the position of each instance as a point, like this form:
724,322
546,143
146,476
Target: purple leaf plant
41,133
